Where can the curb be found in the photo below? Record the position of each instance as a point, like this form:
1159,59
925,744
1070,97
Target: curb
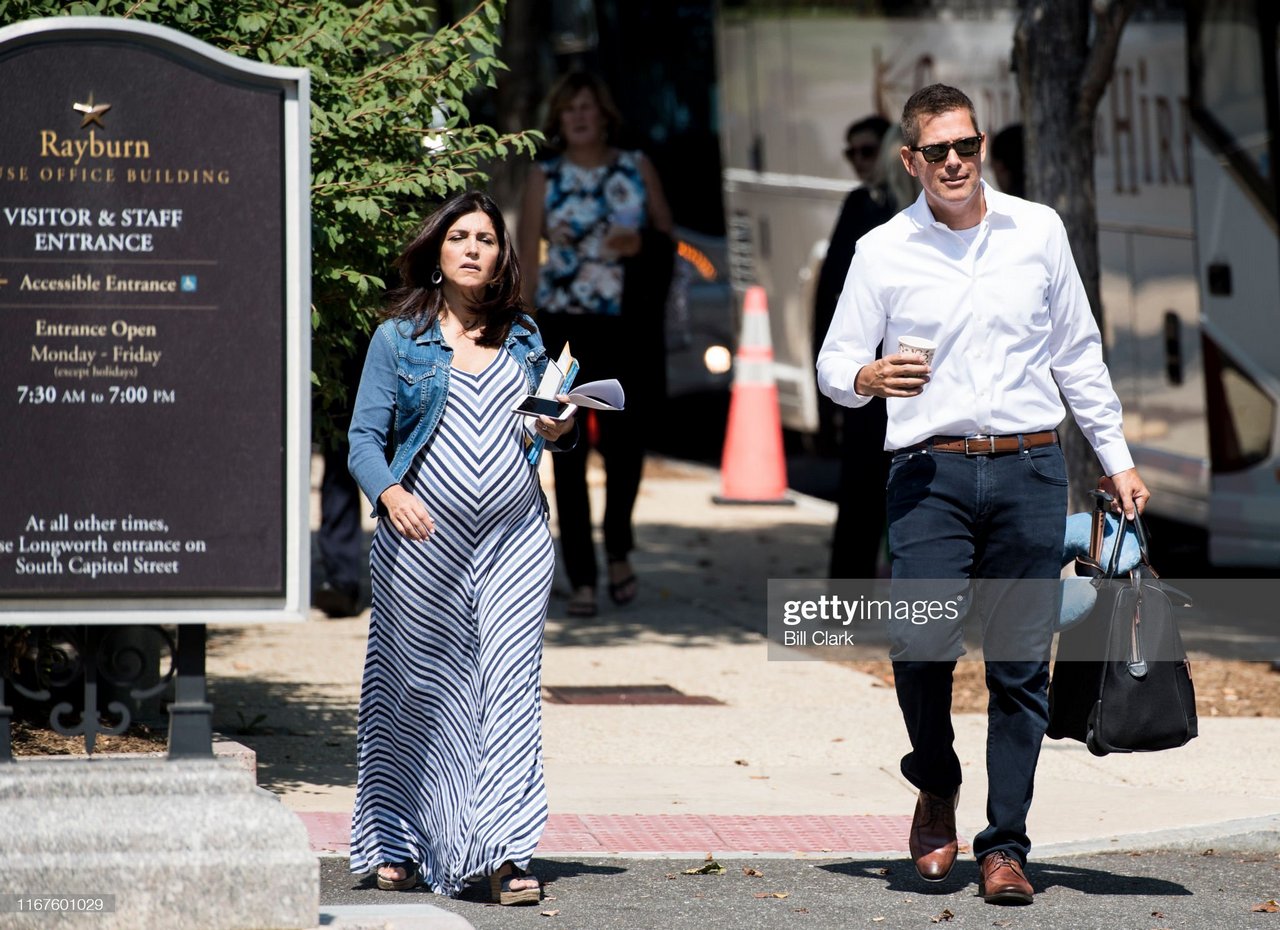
390,917
1248,835
224,749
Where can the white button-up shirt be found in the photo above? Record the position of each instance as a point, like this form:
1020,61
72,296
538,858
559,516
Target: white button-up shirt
1008,313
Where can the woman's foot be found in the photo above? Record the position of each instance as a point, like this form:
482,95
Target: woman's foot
622,582
397,876
582,603
513,885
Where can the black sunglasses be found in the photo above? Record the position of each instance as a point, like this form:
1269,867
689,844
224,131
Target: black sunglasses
861,151
936,152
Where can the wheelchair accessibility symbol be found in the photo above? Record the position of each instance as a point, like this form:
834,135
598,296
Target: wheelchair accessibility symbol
188,283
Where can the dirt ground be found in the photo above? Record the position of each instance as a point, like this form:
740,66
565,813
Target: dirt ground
1224,687
30,740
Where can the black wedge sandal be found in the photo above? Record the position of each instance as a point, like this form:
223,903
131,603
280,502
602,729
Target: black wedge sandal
624,590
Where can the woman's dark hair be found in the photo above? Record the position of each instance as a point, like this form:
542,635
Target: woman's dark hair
420,300
874,124
563,92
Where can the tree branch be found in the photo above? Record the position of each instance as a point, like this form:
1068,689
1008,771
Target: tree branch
1109,19
363,18
452,35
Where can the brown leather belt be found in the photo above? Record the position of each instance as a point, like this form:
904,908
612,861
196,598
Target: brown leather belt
984,445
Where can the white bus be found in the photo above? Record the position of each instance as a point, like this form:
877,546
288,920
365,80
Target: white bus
1187,213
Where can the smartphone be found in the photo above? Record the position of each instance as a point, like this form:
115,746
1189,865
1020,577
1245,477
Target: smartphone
533,406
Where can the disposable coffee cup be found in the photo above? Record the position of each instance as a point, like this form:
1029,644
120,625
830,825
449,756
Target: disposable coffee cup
914,345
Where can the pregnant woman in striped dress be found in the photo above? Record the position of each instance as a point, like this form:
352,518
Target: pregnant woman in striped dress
449,746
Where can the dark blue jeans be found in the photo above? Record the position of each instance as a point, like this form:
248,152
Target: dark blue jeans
341,537
954,517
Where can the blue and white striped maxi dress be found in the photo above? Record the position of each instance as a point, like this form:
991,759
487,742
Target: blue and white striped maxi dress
449,739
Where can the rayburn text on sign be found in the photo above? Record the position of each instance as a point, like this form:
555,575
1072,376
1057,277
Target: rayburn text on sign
52,146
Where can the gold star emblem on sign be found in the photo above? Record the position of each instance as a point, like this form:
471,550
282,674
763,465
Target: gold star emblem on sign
92,111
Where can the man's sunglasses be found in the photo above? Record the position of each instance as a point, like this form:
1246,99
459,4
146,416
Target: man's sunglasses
861,151
936,152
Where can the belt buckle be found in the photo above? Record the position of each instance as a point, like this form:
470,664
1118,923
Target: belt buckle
980,438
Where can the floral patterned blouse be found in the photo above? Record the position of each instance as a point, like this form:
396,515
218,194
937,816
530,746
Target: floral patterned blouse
580,275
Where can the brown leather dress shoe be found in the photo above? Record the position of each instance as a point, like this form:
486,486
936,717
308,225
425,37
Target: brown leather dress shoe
933,835
1003,881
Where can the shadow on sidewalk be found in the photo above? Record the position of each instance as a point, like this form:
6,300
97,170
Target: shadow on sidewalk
764,894
698,584
698,587
900,875
304,735
363,888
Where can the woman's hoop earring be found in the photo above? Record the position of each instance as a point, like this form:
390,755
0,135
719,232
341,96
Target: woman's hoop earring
437,276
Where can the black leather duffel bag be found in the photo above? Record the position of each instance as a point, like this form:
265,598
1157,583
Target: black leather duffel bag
1121,680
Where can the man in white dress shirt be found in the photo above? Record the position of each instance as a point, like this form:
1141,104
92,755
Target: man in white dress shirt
978,485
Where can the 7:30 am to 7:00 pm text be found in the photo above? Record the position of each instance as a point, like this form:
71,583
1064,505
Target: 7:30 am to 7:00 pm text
114,394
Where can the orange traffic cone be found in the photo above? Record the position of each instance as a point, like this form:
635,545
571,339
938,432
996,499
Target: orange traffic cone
753,469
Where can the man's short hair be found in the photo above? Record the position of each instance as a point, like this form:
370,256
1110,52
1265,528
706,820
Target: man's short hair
873,124
933,100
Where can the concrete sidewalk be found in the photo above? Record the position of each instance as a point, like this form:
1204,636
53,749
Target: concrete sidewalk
793,757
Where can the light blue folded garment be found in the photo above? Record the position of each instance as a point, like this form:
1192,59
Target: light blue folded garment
1076,542
1078,595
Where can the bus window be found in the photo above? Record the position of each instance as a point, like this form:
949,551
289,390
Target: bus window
1241,415
1233,91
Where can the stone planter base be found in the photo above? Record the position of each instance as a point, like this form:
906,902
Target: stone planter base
184,845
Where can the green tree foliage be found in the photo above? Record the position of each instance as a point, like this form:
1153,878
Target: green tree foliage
390,132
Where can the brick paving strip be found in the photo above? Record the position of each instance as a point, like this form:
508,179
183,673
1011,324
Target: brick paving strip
725,835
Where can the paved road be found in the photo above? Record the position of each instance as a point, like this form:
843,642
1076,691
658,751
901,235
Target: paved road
1176,890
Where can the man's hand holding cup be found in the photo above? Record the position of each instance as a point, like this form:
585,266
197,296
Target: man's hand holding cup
903,374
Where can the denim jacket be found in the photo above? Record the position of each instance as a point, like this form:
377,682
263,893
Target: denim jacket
402,397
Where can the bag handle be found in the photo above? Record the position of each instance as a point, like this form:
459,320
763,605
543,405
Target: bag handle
1114,562
1105,504
1144,543
1139,528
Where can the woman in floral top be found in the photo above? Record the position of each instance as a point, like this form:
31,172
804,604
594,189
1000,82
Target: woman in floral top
591,201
